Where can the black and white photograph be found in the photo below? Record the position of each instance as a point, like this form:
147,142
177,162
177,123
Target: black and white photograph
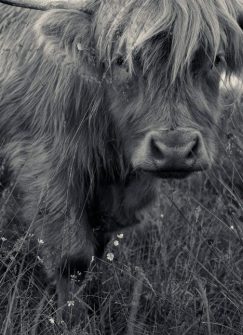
121,167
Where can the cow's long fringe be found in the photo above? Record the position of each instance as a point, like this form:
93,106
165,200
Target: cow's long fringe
184,25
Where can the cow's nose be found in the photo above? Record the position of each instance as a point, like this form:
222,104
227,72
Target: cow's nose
169,152
172,153
176,151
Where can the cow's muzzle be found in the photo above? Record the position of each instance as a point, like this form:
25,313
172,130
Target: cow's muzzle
172,153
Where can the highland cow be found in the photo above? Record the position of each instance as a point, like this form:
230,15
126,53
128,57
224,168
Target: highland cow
99,99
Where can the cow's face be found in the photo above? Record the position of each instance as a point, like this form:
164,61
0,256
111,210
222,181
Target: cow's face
159,65
168,130
164,95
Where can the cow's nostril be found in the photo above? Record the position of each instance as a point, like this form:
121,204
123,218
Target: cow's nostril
156,149
193,151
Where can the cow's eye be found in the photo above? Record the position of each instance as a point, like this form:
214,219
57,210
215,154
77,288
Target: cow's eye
218,61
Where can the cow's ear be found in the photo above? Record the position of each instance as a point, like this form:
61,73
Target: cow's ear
63,33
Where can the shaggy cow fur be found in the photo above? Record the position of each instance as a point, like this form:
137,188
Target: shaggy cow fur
79,93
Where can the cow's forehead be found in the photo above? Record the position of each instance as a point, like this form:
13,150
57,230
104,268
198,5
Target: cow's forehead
130,24
141,19
131,15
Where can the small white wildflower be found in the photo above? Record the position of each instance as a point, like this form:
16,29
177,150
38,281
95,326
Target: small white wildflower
52,321
79,47
70,303
162,215
3,239
73,277
110,256
40,241
232,227
116,243
120,235
31,235
92,259
79,273
40,259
